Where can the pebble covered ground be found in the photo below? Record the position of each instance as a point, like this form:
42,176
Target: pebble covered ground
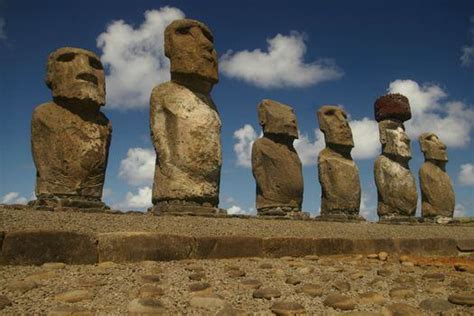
27,219
378,284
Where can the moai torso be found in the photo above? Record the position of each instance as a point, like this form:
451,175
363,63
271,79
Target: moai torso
278,173
276,167
337,172
70,137
396,188
340,184
70,151
437,194
185,129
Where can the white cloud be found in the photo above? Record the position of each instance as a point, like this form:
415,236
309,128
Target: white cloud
107,192
13,198
282,65
367,209
138,167
460,210
3,33
135,58
140,200
452,121
243,148
235,209
308,151
366,138
466,174
467,55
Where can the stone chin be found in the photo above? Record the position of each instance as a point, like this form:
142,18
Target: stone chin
290,131
400,152
203,68
209,75
87,95
440,156
341,140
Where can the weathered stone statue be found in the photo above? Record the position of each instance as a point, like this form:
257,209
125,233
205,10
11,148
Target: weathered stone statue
338,173
437,194
276,166
70,137
185,125
396,188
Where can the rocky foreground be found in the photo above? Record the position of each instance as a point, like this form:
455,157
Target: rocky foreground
379,284
20,218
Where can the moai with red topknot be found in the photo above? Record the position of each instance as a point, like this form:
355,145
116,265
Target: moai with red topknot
396,187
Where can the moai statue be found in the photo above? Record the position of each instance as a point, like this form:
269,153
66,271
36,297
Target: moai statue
396,188
185,125
70,136
276,166
437,194
338,173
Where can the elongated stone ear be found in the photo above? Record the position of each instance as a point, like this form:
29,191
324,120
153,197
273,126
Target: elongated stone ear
261,115
422,141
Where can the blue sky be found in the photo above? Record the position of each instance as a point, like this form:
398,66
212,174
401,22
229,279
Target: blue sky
299,53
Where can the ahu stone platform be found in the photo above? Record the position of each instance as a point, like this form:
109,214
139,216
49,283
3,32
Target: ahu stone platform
36,237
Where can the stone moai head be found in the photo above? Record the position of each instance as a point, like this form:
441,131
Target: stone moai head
76,74
333,123
277,118
189,46
432,147
393,138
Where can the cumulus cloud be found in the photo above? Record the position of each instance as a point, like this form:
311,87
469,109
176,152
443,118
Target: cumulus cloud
139,200
282,65
460,210
13,198
467,55
467,52
466,174
135,58
366,138
3,33
235,209
138,167
308,150
452,121
243,148
368,210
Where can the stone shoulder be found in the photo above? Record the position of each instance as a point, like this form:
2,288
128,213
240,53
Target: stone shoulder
44,110
166,93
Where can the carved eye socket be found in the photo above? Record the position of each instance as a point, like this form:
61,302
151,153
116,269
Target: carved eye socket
94,63
208,35
329,112
183,30
66,57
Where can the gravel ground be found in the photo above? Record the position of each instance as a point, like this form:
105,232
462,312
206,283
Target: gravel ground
27,219
111,289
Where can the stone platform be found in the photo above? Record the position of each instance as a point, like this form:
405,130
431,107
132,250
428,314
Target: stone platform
35,237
